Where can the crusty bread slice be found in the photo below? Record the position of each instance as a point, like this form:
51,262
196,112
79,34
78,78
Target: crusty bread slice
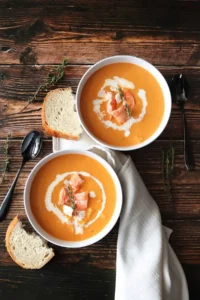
59,117
26,249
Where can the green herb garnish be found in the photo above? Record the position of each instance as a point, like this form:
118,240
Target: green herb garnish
121,94
6,160
168,156
128,111
72,201
53,77
73,205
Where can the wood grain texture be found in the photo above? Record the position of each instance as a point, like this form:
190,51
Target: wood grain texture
127,28
34,35
185,240
19,83
78,53
185,186
54,280
95,15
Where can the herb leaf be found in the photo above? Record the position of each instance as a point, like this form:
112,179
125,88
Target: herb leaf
121,94
6,160
128,111
168,156
53,77
73,205
72,202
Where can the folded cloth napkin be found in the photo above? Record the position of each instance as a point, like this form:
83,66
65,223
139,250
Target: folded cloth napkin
147,267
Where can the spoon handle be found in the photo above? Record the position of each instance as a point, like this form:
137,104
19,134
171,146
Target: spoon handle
189,161
7,200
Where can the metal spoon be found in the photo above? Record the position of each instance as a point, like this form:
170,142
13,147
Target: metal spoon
179,91
30,148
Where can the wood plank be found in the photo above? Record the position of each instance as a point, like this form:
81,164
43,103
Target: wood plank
184,240
19,83
32,284
96,31
92,15
181,54
185,185
54,281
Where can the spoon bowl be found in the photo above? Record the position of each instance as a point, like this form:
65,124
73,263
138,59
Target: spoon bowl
179,89
31,145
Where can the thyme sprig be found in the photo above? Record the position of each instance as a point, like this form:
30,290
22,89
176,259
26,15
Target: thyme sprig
121,93
53,77
6,160
127,108
128,111
168,156
71,197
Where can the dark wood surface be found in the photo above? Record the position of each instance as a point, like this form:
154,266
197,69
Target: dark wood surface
34,35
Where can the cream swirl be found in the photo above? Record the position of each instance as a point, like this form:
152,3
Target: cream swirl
113,84
50,206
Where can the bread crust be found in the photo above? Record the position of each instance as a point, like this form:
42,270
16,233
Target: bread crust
45,125
9,231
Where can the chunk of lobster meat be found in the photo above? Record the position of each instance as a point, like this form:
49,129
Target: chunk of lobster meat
63,196
129,98
120,114
81,200
112,103
76,182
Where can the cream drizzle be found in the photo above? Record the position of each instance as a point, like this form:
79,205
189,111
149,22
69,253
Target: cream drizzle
50,206
92,194
114,84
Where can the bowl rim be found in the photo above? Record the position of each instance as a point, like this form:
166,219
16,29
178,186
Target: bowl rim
73,244
146,65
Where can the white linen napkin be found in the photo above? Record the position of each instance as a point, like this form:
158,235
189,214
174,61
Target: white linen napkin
147,267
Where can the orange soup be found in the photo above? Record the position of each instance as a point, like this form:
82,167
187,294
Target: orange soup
73,197
122,104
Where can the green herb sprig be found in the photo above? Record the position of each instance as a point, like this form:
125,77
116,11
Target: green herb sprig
72,201
128,111
121,93
53,77
6,160
127,108
168,156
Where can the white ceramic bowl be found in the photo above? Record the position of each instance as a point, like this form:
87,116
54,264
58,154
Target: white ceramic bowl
63,243
147,66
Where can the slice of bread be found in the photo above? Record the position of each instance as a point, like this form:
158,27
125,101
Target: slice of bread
26,249
59,117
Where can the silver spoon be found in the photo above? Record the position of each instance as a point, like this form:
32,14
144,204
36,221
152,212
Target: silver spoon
30,148
179,91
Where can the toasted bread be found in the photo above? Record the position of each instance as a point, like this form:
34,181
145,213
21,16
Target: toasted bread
59,117
28,250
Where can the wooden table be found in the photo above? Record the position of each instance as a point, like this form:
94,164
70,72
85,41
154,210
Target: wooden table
36,35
